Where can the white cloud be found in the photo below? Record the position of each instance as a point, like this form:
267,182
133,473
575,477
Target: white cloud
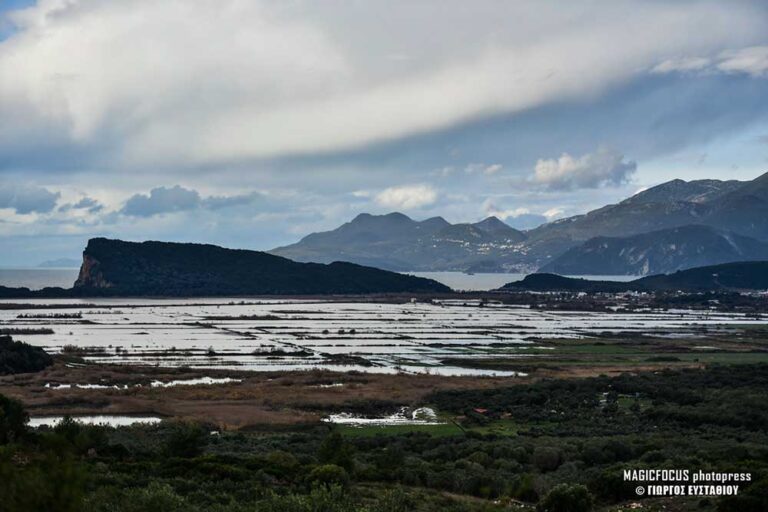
488,170
490,208
752,61
443,172
553,213
604,167
217,81
519,218
682,64
492,169
407,197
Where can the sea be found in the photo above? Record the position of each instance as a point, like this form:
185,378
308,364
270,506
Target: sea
483,282
37,278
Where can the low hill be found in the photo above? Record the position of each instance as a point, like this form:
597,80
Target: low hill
751,275
115,267
543,282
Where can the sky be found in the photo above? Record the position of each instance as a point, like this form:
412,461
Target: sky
250,123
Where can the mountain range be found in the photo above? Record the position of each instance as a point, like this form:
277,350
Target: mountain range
657,252
397,242
676,225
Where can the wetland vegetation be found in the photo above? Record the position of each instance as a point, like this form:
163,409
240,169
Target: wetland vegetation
550,443
543,410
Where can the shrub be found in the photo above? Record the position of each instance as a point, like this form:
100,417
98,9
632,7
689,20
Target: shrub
19,357
154,497
13,420
186,439
335,450
329,475
566,498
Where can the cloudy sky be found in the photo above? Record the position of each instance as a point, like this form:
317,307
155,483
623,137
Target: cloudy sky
251,123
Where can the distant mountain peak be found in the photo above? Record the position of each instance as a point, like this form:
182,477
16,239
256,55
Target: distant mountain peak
396,215
393,216
695,191
492,224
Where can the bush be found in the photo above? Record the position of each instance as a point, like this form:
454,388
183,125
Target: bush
547,459
752,499
19,357
329,475
13,420
155,497
186,439
31,481
566,498
335,450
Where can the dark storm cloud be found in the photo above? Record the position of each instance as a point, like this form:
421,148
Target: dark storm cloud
180,199
27,198
162,200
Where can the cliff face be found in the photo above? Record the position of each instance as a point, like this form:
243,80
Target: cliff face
90,275
115,267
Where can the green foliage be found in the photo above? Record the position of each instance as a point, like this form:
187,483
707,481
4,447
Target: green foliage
320,499
81,437
186,439
566,498
546,458
19,357
753,499
336,450
13,420
156,497
31,481
329,475
709,420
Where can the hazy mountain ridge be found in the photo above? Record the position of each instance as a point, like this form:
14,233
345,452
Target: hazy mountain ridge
737,210
657,252
397,242
60,263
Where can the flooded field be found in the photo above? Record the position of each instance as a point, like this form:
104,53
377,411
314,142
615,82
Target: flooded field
273,335
107,420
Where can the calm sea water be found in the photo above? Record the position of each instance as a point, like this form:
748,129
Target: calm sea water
482,282
36,278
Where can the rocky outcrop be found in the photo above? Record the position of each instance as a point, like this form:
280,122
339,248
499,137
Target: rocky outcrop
90,275
115,267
